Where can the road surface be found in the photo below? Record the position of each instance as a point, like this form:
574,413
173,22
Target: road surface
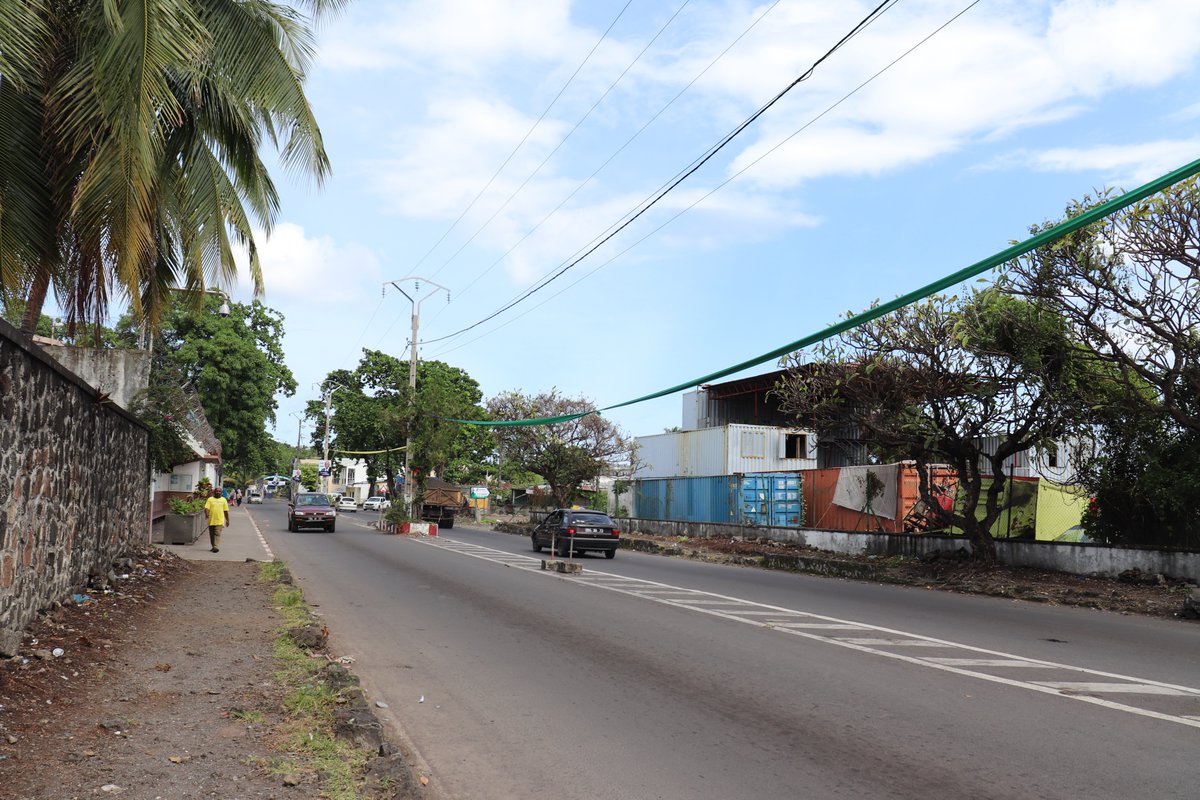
652,677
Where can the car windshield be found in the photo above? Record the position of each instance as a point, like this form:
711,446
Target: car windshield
591,519
312,500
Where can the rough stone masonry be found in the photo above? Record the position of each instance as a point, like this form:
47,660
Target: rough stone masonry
74,486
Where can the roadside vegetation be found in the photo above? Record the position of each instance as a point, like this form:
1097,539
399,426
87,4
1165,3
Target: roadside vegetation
307,742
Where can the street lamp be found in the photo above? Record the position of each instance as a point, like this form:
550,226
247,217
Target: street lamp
415,299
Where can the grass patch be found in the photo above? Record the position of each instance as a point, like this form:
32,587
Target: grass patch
307,744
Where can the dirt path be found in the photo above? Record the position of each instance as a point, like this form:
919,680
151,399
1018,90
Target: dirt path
164,689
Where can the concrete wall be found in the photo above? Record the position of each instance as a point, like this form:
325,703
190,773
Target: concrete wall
74,486
120,374
1079,559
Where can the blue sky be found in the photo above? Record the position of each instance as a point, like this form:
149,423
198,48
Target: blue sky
994,124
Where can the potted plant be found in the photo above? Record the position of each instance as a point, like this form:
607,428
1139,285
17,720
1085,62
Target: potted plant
185,520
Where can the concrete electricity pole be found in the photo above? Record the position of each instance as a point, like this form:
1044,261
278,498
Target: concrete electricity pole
328,392
415,299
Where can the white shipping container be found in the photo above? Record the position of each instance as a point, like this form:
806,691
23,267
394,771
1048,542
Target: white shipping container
731,450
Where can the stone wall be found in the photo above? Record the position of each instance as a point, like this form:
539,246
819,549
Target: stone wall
74,487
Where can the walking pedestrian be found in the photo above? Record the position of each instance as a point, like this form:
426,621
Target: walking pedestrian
217,508
239,498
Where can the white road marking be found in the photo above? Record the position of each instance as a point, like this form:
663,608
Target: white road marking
1120,688
892,642
752,613
985,662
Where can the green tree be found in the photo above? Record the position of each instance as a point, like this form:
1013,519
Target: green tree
565,454
371,412
235,365
1130,288
968,382
129,144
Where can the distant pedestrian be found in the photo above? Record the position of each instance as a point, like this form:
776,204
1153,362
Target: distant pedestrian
217,508
239,498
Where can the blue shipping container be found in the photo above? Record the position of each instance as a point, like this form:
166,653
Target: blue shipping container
702,499
771,499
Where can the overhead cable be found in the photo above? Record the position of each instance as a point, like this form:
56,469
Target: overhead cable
723,183
683,175
1041,239
616,153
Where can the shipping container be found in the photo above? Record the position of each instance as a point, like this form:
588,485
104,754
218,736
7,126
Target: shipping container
729,450
772,499
694,499
764,499
895,510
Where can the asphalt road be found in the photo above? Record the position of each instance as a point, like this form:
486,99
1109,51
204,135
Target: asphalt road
651,677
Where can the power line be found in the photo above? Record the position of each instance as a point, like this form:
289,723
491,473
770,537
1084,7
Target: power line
509,158
563,141
616,152
731,178
1040,239
683,174
521,143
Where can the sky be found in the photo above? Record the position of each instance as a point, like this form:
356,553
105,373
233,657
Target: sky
484,144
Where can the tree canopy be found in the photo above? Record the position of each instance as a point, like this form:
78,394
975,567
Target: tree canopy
1129,288
565,454
235,365
129,144
370,411
968,382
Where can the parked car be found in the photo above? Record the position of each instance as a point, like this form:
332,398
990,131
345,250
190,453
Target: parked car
346,503
376,503
573,530
254,495
311,510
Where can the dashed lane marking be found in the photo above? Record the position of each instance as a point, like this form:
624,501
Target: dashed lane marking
831,630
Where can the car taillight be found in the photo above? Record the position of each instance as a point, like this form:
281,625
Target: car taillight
616,531
570,531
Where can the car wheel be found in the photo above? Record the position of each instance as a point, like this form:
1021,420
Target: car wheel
291,527
447,523
537,548
610,553
332,528
564,548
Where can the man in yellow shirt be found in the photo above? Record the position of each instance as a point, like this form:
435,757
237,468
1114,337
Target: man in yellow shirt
217,508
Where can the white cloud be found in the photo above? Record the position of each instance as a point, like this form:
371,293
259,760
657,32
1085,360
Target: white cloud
1125,166
463,36
298,267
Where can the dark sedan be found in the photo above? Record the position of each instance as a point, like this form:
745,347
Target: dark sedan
573,531
311,510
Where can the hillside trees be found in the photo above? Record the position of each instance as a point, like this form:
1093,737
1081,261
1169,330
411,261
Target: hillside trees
565,453
969,382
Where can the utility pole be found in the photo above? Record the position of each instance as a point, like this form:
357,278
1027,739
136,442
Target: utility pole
325,448
415,299
293,488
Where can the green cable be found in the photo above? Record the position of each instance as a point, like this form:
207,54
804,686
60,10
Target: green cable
1032,243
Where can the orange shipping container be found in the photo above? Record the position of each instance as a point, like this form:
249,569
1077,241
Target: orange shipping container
898,480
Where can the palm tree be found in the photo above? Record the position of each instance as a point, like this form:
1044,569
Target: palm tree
130,134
